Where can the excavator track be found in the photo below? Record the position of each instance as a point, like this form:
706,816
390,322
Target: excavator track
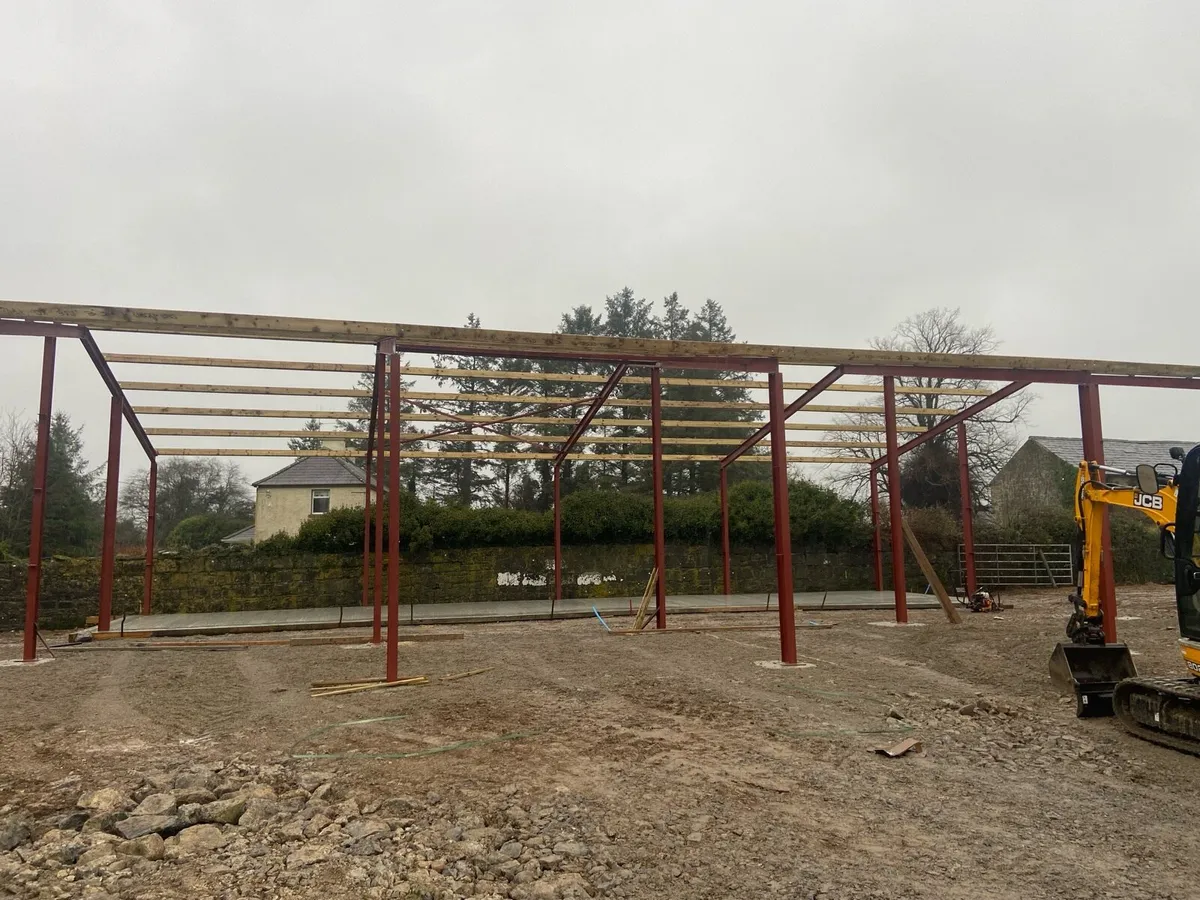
1162,710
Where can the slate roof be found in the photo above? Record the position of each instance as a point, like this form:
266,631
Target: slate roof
1117,453
244,536
315,471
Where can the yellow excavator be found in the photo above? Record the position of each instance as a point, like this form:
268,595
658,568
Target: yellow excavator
1163,710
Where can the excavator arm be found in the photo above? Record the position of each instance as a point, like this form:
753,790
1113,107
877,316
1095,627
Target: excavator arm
1092,497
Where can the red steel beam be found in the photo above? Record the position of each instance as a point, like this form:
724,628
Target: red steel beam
393,636
783,527
894,509
37,519
108,543
656,479
151,515
114,388
377,613
598,401
795,406
22,328
1029,376
1093,451
968,515
877,540
953,421
725,564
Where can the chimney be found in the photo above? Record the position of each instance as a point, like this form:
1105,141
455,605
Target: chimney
333,444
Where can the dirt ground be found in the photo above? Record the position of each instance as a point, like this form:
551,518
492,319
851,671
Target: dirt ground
710,775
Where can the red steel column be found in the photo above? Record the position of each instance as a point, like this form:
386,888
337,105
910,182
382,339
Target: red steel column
557,542
108,543
877,540
366,575
1093,451
968,516
148,578
725,574
377,614
656,478
783,527
33,577
894,508
393,636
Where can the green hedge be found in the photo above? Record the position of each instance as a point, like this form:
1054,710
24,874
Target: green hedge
820,518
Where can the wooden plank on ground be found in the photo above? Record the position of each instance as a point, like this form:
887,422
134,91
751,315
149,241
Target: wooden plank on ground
930,575
403,682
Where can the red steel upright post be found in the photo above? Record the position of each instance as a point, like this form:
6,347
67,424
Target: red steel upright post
656,478
557,541
894,508
152,505
877,541
393,638
968,515
366,573
1093,451
725,573
377,613
108,543
783,527
33,578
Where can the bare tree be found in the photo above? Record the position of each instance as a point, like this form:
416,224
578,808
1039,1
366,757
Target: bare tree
991,435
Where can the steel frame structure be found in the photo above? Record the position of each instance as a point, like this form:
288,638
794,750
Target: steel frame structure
390,341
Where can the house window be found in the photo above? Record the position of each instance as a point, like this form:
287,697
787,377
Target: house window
320,501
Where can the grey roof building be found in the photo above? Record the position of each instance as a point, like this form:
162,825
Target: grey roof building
1041,474
315,471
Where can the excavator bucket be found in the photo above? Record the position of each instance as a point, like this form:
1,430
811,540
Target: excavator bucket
1091,671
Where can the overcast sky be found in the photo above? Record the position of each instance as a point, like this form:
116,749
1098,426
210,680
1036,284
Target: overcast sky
821,169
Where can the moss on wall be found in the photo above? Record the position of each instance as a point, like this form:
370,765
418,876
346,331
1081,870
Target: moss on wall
245,580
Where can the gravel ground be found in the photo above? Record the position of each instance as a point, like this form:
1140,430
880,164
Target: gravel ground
638,767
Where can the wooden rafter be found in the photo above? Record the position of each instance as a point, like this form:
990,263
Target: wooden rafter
487,455
449,397
547,377
527,438
326,414
524,344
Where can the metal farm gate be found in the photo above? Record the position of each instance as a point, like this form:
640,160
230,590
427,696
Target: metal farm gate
1021,565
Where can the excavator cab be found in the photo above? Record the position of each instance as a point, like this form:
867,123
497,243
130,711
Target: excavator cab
1182,547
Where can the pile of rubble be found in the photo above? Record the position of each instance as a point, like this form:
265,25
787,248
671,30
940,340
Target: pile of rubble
237,829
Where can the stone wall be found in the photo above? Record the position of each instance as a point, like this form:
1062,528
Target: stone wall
242,579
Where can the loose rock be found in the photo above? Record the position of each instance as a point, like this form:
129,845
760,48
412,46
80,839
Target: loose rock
139,826
150,847
156,805
105,800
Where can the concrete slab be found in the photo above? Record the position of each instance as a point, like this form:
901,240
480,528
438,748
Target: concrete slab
249,621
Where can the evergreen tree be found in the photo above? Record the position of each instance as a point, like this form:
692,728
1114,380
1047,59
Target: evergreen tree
73,519
359,408
462,482
627,317
708,324
307,443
